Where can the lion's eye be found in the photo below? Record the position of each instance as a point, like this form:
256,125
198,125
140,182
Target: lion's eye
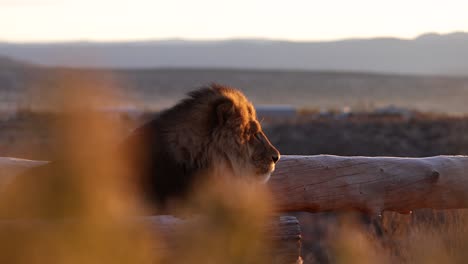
258,136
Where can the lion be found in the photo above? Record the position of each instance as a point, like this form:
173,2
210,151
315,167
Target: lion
213,132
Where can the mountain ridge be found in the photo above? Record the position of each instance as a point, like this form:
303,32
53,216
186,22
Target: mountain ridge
430,53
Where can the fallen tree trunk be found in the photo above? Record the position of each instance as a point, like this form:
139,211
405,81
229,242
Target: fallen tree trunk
284,232
370,184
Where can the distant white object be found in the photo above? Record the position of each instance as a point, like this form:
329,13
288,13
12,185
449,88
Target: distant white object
346,110
272,111
394,110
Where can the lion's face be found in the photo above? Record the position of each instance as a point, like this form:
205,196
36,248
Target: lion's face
242,142
263,155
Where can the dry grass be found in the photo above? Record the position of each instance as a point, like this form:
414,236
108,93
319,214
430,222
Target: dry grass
86,208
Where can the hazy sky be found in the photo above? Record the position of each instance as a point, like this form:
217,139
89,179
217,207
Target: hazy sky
64,20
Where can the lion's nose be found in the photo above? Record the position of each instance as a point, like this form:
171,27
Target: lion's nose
275,157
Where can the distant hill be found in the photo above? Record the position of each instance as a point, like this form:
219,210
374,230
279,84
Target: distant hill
427,54
8,63
160,88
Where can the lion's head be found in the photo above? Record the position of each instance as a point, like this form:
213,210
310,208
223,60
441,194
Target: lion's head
213,132
236,140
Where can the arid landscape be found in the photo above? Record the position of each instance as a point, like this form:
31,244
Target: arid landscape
30,135
336,113
366,101
23,85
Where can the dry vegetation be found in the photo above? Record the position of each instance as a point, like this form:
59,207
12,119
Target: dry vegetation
231,233
426,236
87,211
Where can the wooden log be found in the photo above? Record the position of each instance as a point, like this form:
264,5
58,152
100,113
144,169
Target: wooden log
371,184
284,231
287,240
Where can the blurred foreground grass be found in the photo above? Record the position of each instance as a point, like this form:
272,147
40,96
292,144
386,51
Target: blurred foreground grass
85,212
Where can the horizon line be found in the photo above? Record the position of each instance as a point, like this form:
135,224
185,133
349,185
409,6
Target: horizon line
201,40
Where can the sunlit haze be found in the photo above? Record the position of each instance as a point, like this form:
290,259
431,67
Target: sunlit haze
301,20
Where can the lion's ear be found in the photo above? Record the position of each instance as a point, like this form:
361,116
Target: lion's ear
224,111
